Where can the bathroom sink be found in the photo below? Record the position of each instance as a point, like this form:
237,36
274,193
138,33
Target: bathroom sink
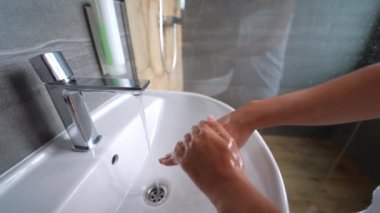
119,174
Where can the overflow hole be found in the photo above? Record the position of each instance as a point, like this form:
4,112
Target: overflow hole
115,158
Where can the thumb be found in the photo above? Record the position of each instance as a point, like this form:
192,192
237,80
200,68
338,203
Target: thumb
168,160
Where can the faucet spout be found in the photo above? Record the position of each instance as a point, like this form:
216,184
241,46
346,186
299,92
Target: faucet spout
113,84
66,94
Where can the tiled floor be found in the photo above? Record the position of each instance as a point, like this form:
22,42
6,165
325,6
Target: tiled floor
312,182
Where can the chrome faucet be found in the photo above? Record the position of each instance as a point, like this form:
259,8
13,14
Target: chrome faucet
66,94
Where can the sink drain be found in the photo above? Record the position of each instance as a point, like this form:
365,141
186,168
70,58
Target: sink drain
156,194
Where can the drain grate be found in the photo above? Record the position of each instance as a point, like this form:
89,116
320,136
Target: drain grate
156,194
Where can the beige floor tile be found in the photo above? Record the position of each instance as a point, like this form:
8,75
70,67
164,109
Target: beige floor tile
311,181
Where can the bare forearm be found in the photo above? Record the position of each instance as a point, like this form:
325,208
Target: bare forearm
350,98
240,196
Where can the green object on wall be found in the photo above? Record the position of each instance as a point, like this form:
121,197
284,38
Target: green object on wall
105,44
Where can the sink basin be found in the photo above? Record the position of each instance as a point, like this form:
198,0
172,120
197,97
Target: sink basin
117,175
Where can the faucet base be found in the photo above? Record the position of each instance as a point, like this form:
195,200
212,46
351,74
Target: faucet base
87,148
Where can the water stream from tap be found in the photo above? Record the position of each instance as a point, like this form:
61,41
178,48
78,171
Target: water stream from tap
150,161
148,137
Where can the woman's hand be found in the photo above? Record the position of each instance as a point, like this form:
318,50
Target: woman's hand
209,156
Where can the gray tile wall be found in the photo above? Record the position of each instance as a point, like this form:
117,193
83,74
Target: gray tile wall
27,116
326,40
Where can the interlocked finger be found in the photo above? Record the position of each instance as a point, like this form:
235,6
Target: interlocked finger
195,130
179,152
187,141
219,129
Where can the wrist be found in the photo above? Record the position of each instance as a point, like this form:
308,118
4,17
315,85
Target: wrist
251,114
264,113
226,189
240,196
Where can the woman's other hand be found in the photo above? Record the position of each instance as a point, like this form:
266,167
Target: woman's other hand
209,155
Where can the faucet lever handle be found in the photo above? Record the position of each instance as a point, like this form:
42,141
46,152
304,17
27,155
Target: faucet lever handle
52,67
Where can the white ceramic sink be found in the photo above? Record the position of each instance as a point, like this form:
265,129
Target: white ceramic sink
56,179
